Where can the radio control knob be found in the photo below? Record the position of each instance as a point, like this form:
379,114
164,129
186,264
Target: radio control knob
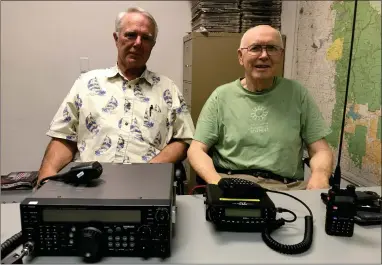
90,244
144,231
162,215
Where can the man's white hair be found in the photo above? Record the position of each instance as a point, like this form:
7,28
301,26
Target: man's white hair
251,29
135,10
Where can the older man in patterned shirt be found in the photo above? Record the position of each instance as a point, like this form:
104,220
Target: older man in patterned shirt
124,114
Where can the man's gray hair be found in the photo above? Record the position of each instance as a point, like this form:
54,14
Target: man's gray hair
251,29
135,10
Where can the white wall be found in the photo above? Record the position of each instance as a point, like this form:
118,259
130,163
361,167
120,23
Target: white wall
289,16
41,43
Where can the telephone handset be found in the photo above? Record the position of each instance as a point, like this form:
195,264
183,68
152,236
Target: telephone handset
237,189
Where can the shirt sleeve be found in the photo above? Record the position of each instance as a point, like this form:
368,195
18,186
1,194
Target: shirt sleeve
313,124
183,126
65,122
207,127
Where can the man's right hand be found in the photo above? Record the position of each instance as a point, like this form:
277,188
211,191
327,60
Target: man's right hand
44,174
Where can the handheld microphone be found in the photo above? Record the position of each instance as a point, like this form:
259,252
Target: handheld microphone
82,173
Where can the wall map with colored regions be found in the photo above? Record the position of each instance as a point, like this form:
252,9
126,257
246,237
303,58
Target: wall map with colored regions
322,58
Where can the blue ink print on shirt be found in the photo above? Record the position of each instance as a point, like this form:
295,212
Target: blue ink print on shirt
147,119
104,147
91,124
134,129
183,106
139,94
66,115
82,146
167,98
158,140
157,108
149,154
78,102
120,123
72,137
127,105
155,79
94,86
124,85
120,144
111,105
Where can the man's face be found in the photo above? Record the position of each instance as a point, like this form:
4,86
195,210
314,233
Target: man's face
261,54
135,40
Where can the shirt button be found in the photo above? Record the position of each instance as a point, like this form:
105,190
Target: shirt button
129,86
126,123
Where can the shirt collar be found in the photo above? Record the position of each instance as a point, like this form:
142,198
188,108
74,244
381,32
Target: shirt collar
114,71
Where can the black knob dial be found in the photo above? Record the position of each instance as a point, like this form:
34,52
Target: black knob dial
211,214
351,189
162,215
144,231
90,244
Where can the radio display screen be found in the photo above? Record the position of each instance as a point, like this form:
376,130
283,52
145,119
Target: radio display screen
237,212
78,215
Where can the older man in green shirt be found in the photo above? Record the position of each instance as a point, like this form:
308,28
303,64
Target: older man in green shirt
255,127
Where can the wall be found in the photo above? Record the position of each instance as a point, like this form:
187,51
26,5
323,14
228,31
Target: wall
322,54
289,26
41,43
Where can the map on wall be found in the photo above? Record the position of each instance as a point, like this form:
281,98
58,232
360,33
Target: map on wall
323,52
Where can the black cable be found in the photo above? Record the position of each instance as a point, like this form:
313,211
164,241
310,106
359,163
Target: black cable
298,248
11,244
297,199
282,210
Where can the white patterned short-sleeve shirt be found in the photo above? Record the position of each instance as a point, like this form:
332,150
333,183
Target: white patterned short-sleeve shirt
116,120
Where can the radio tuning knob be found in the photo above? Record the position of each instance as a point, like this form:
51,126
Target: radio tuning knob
144,231
90,244
162,215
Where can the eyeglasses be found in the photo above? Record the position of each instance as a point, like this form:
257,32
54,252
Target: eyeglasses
256,49
131,35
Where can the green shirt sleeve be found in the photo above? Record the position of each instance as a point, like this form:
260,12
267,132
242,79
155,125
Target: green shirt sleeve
313,124
207,126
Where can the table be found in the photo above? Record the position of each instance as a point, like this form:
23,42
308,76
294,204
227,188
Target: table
196,242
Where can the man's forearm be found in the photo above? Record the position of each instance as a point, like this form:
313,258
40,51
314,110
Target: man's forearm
203,165
57,155
322,163
172,153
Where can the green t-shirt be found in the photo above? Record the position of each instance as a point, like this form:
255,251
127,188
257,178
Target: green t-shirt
264,131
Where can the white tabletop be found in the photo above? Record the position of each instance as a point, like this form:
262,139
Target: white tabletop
196,242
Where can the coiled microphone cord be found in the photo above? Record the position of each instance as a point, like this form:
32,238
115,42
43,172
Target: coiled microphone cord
298,248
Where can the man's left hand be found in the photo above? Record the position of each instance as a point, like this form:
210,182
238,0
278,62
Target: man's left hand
318,181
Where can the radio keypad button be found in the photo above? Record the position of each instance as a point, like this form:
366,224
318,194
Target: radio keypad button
131,238
124,238
110,230
132,244
110,238
124,244
117,245
118,229
110,244
117,238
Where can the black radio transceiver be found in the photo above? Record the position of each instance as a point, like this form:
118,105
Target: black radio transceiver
340,211
120,215
239,205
